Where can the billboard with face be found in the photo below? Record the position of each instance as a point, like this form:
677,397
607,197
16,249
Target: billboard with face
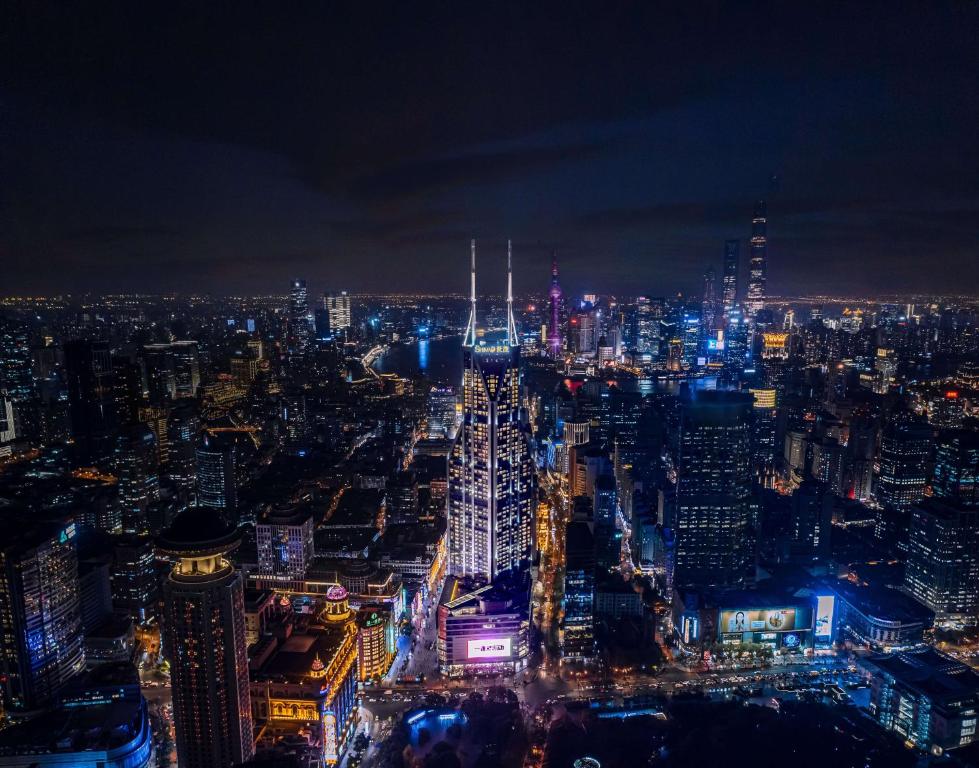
759,620
489,648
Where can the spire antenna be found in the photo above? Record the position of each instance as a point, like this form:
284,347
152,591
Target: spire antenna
469,340
512,339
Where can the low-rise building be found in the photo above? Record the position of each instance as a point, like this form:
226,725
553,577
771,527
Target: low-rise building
482,631
929,698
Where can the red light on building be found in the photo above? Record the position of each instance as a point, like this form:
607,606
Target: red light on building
951,394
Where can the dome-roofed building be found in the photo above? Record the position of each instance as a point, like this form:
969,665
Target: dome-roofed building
204,640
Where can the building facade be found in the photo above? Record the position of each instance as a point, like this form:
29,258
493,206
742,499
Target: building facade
490,475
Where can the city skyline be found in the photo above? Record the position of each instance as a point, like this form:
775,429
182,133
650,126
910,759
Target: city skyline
489,386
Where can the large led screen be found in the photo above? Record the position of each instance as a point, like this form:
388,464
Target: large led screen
490,648
759,620
825,607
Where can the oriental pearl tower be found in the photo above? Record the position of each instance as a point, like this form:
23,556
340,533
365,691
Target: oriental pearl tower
554,344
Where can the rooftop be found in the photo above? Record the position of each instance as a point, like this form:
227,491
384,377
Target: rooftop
939,676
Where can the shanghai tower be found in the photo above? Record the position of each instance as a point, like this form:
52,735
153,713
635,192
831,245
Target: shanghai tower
758,268
491,484
554,344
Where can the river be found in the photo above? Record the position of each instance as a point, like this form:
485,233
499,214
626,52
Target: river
440,360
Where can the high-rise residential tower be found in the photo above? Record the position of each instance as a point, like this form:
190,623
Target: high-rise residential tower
204,639
732,264
490,480
554,342
758,269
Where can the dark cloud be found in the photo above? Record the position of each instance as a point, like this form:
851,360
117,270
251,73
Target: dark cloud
360,144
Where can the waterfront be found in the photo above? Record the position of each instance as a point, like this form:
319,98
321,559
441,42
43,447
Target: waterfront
440,360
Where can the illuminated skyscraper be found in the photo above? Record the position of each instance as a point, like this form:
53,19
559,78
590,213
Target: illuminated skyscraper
713,489
905,447
17,380
732,264
217,459
204,640
338,310
490,481
139,479
40,612
758,269
554,342
299,327
284,535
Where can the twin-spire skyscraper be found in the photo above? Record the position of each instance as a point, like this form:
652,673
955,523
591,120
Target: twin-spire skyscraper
490,474
469,340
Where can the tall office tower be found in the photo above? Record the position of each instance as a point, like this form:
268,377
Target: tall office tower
691,337
173,370
183,426
284,534
204,640
812,518
41,643
708,306
732,264
713,489
401,497
441,413
555,344
217,486
490,473
608,538
956,478
942,569
128,383
91,404
338,310
294,418
578,637
885,370
17,380
186,367
135,587
758,268
139,478
8,429
763,434
905,447
298,330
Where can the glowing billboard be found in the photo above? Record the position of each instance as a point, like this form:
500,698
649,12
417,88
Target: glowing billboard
763,620
490,648
825,608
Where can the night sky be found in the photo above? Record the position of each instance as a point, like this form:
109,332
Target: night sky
210,147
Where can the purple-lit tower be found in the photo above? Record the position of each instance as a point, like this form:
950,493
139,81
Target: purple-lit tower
554,345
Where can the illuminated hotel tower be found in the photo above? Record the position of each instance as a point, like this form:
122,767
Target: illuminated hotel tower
491,483
204,640
554,344
758,269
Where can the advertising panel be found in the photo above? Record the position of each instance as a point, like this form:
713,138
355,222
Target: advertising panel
489,648
825,608
760,620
